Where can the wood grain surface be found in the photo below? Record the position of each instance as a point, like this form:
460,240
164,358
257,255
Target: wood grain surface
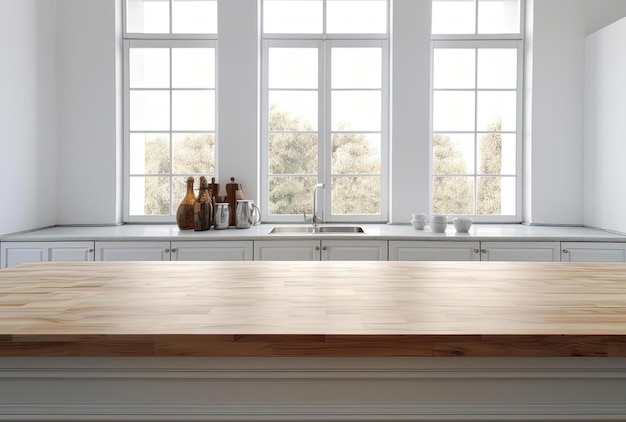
313,309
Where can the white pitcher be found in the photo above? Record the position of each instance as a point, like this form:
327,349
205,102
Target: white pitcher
247,214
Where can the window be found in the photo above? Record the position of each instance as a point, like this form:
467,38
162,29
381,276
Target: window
325,108
476,108
170,102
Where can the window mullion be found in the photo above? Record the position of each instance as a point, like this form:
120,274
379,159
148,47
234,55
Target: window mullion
476,126
172,205
325,147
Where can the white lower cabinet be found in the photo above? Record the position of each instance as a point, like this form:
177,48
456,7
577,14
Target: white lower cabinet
133,251
354,250
287,250
325,250
409,250
212,251
174,251
593,252
14,253
520,251
473,251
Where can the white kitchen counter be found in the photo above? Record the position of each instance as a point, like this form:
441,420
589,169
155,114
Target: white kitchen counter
170,232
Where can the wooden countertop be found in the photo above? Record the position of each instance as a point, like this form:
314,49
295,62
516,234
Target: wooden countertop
313,309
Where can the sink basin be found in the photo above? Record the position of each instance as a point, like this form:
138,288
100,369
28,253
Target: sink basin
322,229
340,229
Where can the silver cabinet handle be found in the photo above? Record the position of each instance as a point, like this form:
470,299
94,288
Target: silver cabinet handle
565,251
90,250
325,248
317,248
484,251
174,250
167,251
476,250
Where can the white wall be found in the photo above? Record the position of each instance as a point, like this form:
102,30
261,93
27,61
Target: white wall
79,184
410,150
238,115
88,132
27,124
605,129
555,105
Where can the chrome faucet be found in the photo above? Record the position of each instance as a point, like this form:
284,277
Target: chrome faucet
315,218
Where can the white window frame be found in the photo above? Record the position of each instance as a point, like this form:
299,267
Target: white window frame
478,41
159,40
325,43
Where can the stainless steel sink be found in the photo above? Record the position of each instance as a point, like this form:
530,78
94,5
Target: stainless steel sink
322,229
340,229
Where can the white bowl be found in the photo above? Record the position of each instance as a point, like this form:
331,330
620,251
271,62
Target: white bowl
418,225
438,227
462,224
420,217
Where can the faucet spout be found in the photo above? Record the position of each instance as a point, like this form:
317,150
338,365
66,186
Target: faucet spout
315,218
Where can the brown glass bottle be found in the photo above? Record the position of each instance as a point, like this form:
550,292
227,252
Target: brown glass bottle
203,208
184,214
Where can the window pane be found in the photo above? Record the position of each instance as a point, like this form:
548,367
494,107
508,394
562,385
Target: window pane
293,110
356,195
354,16
149,67
148,16
149,196
497,68
496,196
356,110
193,153
149,153
453,153
293,16
454,68
498,16
496,154
454,17
179,190
193,68
356,68
453,195
149,110
292,153
194,16
293,68
291,195
453,111
497,111
193,110
355,153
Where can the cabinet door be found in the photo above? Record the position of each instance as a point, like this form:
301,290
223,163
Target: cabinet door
409,250
71,251
212,251
354,250
593,252
520,251
287,250
14,253
132,251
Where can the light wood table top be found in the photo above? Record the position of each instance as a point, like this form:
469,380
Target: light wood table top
313,309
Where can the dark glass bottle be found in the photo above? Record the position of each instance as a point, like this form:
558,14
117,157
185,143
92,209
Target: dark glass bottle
203,208
184,213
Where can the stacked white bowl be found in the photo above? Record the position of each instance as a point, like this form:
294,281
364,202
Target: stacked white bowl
419,221
439,223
